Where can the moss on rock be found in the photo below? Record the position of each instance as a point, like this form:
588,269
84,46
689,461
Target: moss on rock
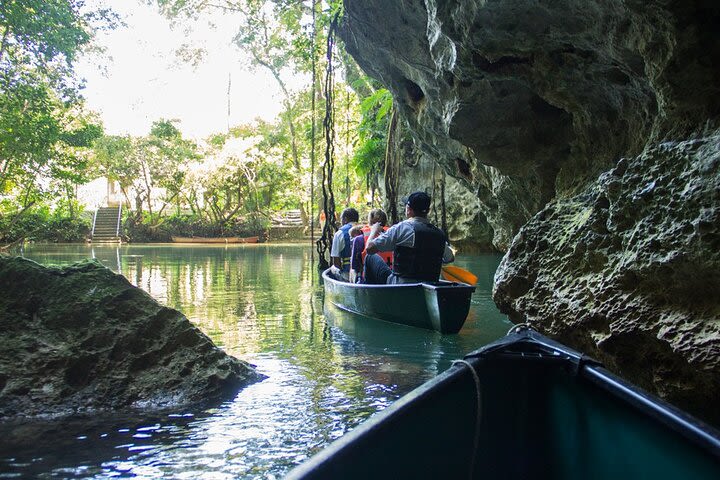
82,338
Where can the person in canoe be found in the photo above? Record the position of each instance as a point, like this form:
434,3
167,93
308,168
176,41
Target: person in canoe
419,247
341,246
357,258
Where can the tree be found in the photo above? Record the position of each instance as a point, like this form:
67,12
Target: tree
146,163
114,159
165,152
285,38
43,128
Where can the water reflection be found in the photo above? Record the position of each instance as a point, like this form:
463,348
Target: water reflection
328,370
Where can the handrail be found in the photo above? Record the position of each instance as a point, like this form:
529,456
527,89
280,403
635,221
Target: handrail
92,233
117,228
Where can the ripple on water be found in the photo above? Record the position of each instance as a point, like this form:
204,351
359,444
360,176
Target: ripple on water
262,304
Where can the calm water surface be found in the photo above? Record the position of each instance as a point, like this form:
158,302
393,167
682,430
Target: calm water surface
327,370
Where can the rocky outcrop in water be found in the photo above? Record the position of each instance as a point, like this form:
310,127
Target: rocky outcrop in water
526,104
524,101
629,271
81,339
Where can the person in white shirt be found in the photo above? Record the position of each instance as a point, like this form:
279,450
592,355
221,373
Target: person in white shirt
341,245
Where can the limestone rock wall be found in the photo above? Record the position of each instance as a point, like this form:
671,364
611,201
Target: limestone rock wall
526,104
83,339
522,101
629,271
466,225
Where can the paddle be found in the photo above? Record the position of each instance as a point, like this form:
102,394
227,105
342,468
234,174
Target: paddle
457,274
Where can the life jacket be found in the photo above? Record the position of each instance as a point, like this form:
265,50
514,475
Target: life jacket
347,249
423,261
386,256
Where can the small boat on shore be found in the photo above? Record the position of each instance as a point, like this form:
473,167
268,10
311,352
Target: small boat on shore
215,239
523,407
441,306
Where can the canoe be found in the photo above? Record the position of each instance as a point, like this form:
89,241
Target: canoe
441,305
523,407
215,239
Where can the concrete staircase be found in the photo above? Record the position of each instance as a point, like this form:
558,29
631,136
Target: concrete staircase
288,218
287,225
106,225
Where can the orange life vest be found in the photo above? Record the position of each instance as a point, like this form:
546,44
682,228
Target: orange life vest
386,256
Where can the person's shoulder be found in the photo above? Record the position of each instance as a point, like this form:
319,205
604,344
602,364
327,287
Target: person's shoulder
392,228
407,223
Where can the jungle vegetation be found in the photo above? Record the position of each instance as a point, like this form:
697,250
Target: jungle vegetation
233,181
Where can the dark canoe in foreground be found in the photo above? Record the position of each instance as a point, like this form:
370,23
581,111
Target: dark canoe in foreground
523,407
441,306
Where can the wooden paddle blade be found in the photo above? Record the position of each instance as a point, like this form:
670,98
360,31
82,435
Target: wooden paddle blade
457,274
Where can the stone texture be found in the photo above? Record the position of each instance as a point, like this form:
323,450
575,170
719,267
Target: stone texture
82,339
466,225
527,103
522,101
629,271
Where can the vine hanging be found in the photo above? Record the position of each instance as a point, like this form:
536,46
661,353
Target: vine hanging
330,226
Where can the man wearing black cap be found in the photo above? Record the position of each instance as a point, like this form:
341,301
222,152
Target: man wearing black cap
419,247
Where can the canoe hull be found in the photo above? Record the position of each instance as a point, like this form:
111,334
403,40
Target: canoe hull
222,240
531,409
440,306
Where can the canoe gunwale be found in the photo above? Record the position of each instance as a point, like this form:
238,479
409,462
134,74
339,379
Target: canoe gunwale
394,412
440,284
689,427
515,347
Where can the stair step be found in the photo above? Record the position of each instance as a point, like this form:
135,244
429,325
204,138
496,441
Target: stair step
106,225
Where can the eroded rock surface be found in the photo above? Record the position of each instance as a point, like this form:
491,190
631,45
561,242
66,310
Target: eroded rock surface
525,101
629,271
81,339
465,223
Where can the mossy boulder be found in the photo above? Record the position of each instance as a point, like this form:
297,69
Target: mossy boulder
629,271
82,338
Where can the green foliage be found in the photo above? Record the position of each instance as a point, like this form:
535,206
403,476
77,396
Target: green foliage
43,225
146,163
372,131
153,228
114,158
44,133
43,30
165,130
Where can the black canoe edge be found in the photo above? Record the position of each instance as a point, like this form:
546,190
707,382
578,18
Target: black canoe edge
525,344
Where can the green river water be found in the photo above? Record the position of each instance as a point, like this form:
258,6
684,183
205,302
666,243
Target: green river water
327,371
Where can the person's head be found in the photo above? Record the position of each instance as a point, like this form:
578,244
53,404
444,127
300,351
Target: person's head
417,204
349,215
355,231
377,215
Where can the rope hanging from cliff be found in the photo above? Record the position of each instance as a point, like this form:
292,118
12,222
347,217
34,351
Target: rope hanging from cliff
392,169
443,208
330,226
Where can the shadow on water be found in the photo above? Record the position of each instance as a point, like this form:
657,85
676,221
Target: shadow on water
328,370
